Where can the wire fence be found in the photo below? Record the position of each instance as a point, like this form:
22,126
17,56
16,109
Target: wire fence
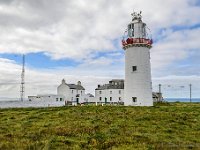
178,92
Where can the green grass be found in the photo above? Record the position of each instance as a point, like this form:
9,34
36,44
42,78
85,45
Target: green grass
164,126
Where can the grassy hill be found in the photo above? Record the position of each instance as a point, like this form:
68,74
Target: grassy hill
167,126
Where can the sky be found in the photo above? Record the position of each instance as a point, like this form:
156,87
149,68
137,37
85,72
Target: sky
81,40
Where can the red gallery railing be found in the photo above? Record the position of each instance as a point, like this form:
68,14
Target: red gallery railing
137,42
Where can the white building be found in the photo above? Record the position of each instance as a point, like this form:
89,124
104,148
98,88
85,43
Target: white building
46,100
138,88
113,92
73,93
50,97
90,98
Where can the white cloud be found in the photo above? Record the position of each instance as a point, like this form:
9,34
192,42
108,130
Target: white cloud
74,29
80,29
46,81
175,46
178,86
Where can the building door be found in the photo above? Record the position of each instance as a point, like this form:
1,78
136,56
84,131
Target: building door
134,99
105,100
77,98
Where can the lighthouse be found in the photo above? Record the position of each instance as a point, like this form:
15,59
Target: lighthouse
137,44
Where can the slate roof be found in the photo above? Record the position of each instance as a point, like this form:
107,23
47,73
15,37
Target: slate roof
90,95
113,84
74,86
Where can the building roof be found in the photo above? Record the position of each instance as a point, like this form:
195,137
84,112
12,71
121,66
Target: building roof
77,86
74,86
90,95
113,84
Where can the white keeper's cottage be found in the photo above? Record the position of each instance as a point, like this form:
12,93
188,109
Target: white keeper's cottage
74,93
113,92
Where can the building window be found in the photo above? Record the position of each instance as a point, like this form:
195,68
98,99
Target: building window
134,68
120,98
60,99
110,92
110,98
72,99
100,92
120,91
81,92
72,91
100,98
56,99
134,99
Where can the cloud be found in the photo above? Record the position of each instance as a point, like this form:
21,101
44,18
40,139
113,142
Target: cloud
90,74
175,46
178,86
45,81
82,30
75,29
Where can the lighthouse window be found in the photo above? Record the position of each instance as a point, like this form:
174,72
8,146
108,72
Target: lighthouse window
110,98
129,26
100,98
134,68
134,99
144,30
131,30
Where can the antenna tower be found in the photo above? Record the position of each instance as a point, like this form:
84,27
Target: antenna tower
22,89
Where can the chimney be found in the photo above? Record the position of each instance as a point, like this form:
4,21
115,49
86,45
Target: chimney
79,83
63,81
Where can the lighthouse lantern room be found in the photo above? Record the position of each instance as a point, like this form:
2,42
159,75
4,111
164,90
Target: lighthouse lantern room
138,88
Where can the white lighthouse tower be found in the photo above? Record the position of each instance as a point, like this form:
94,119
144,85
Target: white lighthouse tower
138,88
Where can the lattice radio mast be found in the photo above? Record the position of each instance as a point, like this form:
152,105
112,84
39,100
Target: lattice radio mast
22,89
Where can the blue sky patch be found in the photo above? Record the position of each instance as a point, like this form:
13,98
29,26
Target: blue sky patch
40,60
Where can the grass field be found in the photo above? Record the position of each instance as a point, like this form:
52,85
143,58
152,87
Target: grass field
164,126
